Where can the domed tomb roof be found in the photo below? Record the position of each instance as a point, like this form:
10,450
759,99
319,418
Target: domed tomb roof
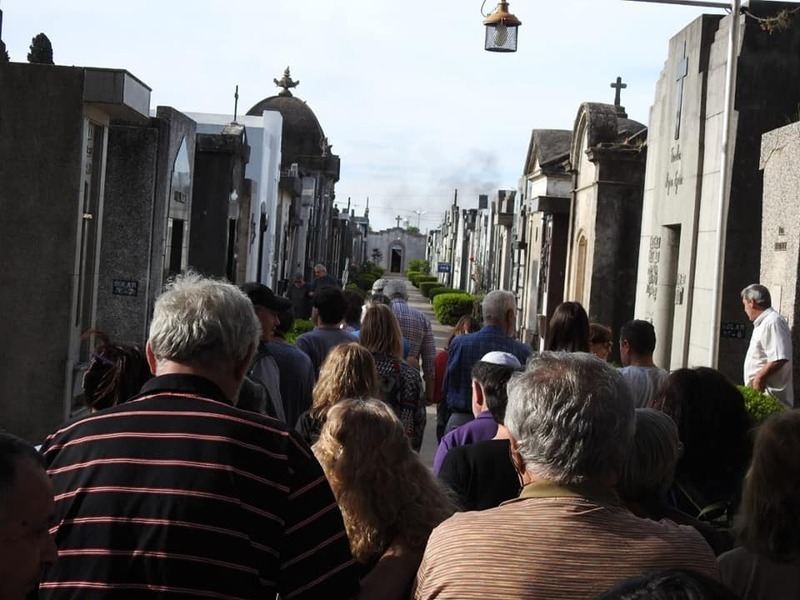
303,137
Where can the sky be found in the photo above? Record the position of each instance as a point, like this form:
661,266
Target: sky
406,94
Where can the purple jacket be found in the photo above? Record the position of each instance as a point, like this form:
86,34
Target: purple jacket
481,428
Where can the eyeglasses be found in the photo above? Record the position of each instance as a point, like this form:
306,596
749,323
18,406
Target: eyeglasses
608,344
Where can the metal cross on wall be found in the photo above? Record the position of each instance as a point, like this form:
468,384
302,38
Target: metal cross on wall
680,76
618,86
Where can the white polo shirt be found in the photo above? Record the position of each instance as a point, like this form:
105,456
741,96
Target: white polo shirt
771,341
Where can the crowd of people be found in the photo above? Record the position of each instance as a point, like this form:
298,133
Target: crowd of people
221,461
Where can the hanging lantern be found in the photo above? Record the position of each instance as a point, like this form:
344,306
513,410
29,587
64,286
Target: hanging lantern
501,30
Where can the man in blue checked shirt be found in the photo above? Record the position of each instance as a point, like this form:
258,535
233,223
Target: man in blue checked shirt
500,323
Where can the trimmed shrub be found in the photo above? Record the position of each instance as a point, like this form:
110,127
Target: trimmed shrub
449,308
411,274
354,288
299,327
365,281
759,405
425,278
415,277
443,290
425,287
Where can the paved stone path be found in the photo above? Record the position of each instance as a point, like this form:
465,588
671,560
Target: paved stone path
440,334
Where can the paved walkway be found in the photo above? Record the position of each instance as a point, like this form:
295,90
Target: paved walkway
440,334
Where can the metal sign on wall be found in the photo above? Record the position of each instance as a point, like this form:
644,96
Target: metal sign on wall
443,267
125,287
734,330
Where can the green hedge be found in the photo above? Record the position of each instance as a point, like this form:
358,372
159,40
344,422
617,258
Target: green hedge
424,278
299,327
415,277
365,281
411,274
432,293
354,288
425,287
449,308
759,405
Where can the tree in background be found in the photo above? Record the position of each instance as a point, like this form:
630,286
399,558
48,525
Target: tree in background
4,57
377,255
412,229
41,50
420,266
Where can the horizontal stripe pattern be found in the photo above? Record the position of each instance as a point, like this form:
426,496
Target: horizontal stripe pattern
177,495
107,590
165,436
545,548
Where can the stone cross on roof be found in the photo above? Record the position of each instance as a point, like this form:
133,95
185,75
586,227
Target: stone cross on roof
618,86
286,83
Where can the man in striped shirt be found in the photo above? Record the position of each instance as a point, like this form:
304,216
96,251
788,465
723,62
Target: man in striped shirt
567,536
177,493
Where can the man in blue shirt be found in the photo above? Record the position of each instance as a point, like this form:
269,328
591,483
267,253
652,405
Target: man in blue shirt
500,323
489,378
296,368
322,280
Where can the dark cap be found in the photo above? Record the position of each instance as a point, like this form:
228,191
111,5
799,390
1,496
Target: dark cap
261,295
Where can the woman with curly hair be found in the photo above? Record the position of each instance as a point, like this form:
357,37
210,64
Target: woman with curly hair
767,527
116,372
389,499
347,372
714,429
401,384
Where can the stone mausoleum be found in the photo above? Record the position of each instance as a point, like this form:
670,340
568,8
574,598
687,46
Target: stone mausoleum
675,282
397,246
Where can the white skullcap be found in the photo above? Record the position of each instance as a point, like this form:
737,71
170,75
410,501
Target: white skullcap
503,359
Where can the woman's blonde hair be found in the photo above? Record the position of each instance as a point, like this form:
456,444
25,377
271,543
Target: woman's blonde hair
347,372
380,331
384,491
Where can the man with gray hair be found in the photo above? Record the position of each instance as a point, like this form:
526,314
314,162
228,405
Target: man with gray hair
178,492
321,280
768,363
416,329
497,335
570,418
